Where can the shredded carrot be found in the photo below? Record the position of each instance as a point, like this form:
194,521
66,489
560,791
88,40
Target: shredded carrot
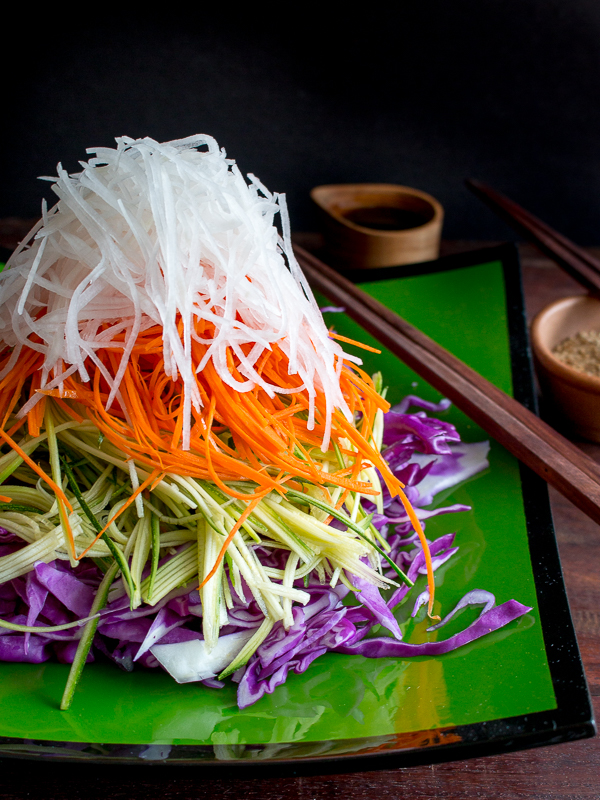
156,476
64,518
424,544
38,470
338,337
244,516
268,434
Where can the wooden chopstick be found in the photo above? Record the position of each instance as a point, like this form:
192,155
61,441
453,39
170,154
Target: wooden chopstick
573,259
526,436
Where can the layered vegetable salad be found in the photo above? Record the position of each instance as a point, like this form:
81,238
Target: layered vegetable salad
194,474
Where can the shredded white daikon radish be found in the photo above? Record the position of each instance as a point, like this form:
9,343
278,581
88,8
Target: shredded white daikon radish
152,233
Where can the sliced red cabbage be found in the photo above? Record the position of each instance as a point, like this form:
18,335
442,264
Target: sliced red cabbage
414,400
489,621
66,587
441,550
165,621
306,640
429,434
446,471
424,453
36,597
371,598
477,597
12,648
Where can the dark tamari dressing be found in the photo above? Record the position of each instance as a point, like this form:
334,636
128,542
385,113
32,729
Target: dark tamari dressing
386,218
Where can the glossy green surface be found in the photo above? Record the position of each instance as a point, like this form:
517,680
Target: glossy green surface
342,697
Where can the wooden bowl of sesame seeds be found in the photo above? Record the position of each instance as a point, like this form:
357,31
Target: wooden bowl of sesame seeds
565,337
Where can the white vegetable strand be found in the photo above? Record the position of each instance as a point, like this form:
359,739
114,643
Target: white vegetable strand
167,234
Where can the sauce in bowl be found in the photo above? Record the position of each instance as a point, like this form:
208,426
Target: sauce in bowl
386,218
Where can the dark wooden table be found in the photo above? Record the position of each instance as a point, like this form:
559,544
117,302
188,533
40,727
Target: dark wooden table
566,772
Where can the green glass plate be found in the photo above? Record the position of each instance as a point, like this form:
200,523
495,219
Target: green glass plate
508,690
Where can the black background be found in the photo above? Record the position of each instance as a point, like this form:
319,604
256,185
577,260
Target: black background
423,93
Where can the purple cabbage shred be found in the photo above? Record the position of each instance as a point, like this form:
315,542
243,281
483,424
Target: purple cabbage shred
425,453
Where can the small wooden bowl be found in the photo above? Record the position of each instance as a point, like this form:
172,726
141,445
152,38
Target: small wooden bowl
352,216
575,393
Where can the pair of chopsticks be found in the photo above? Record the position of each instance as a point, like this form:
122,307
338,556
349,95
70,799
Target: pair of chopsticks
526,436
573,259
